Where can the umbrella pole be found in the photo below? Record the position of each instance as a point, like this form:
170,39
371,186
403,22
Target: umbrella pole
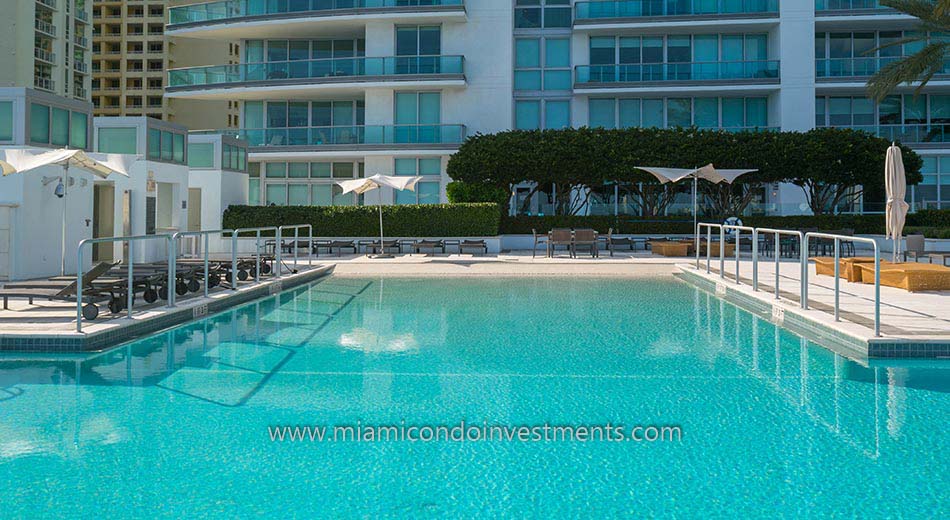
696,214
382,249
62,268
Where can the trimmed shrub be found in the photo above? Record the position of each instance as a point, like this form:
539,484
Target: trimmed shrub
621,224
930,218
861,224
421,220
476,192
929,232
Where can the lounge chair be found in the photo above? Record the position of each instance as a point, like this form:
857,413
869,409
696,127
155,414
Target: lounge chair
340,245
538,239
560,237
61,282
911,276
614,242
374,247
585,239
66,294
477,245
419,245
825,265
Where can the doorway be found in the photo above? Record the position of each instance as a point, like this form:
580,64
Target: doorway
194,209
103,222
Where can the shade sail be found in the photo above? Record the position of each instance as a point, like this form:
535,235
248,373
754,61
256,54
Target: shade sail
360,186
895,184
708,172
99,164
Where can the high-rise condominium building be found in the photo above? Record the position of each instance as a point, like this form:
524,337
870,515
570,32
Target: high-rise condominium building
333,89
131,54
45,45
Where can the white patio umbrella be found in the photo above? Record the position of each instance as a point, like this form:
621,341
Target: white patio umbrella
360,186
708,172
896,185
99,164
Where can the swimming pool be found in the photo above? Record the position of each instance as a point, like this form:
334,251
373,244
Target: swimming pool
177,424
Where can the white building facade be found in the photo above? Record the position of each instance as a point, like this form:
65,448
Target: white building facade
334,89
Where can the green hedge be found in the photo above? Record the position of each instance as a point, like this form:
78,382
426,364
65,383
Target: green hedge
422,220
622,224
930,218
929,232
861,224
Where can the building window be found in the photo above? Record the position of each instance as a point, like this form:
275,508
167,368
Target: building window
6,120
200,155
536,14
547,70
726,113
527,114
154,143
59,134
118,140
39,123
307,183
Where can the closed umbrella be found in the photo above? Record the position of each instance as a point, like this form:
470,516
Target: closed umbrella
360,186
100,165
896,185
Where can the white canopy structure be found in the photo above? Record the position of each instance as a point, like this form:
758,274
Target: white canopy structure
22,160
895,183
708,172
360,186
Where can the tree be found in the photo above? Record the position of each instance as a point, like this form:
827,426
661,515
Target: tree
922,65
831,165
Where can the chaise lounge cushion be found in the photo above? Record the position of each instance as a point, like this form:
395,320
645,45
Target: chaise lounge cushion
910,276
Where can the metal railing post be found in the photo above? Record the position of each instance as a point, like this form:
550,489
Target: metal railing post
699,225
79,286
755,260
837,280
738,245
129,290
257,248
278,250
172,270
207,237
722,252
708,248
877,291
296,234
778,252
310,245
804,282
234,262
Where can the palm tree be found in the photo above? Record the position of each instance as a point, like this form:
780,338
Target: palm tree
919,67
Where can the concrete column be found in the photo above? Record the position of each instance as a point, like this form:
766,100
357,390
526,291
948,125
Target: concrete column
796,50
380,39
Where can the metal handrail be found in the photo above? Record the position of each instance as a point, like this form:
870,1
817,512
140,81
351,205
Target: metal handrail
877,273
802,256
755,252
207,235
257,246
709,226
130,290
279,245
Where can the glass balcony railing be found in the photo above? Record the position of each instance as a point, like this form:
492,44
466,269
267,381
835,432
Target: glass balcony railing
856,67
847,5
334,68
654,72
350,135
911,133
656,8
229,9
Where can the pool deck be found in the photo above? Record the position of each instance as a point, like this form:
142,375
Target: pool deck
913,324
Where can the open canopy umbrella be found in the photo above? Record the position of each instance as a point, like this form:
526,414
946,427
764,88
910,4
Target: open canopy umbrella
708,172
360,186
101,165
896,185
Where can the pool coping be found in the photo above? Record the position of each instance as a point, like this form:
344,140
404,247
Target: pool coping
185,311
791,317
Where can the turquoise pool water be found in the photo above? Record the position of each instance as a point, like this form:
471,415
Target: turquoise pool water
176,425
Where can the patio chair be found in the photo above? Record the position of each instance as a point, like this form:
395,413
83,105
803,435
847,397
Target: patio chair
614,242
560,237
477,245
585,239
61,282
340,245
538,239
419,245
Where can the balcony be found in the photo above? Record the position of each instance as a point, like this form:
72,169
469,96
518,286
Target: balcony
81,42
80,66
913,134
43,83
348,137
236,19
315,73
82,15
45,27
822,6
44,55
48,3
80,92
644,10
836,69
644,74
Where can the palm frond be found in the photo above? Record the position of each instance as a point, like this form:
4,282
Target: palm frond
926,10
920,66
